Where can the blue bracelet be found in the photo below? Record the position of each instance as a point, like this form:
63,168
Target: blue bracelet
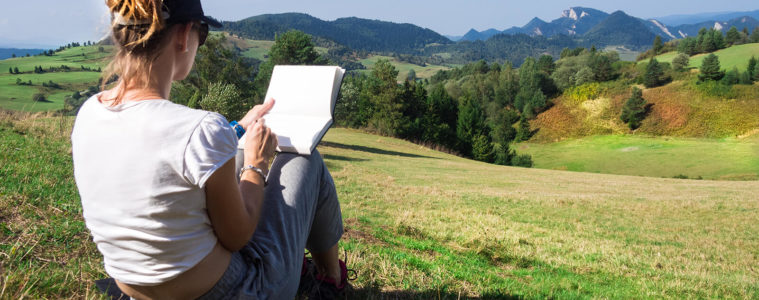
238,128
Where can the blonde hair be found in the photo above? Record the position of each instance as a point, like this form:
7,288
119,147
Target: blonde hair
137,30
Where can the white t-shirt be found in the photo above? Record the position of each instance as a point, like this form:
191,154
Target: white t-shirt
141,168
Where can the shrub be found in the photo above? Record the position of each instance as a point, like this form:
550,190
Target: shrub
522,160
716,89
224,99
584,92
731,77
681,62
39,97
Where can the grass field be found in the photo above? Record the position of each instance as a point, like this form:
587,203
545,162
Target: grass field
725,159
19,97
403,67
733,57
425,225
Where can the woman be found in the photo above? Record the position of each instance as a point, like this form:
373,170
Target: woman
159,187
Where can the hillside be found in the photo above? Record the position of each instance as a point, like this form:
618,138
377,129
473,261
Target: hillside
678,109
619,29
19,97
446,228
355,33
729,58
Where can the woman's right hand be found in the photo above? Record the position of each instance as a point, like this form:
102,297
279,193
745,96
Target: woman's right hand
260,144
256,113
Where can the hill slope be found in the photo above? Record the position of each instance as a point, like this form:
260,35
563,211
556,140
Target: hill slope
421,224
356,33
619,29
729,58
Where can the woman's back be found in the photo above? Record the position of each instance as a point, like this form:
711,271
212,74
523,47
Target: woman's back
141,168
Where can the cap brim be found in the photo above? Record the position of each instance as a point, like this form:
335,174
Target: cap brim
211,21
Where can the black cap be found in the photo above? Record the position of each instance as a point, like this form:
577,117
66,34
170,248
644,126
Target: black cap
181,11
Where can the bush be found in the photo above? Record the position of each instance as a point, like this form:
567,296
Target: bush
224,99
716,89
681,62
39,97
522,160
584,92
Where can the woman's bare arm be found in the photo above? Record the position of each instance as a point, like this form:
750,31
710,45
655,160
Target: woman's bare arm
234,208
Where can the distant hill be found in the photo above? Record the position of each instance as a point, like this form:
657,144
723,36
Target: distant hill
692,30
677,20
8,52
356,33
619,29
504,47
578,21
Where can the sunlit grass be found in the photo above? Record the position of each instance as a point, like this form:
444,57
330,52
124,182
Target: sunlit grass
422,224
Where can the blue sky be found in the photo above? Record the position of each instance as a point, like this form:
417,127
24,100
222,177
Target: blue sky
48,23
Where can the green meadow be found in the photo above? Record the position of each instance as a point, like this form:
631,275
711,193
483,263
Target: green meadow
422,224
732,57
722,159
404,67
19,97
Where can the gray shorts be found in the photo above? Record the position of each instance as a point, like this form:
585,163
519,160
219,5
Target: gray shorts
300,211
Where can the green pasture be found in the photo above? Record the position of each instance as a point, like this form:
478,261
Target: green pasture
420,224
624,53
259,49
403,67
733,57
19,97
727,159
75,57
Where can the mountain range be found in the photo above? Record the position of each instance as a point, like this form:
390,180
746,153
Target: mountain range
355,33
635,32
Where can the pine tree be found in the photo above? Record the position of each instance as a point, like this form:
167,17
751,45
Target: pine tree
654,75
523,131
15,70
751,66
10,70
710,69
754,37
634,110
745,78
731,77
658,45
469,124
602,69
733,36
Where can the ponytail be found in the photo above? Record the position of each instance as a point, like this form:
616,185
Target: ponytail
137,13
137,30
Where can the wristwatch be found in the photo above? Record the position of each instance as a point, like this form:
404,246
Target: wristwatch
238,128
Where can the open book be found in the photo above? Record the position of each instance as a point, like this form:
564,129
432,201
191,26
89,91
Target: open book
304,105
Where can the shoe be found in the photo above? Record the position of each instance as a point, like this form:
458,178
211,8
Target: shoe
317,286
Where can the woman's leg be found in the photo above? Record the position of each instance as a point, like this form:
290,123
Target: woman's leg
300,211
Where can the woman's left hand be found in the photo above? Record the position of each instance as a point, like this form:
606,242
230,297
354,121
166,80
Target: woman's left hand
256,113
